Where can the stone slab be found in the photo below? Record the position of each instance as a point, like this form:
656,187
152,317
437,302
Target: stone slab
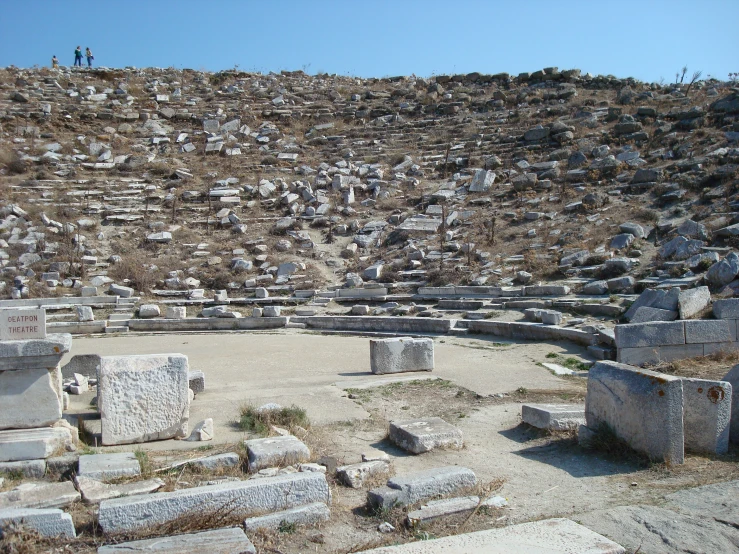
310,514
21,354
245,498
275,452
354,475
40,495
636,335
33,444
31,469
645,408
218,541
547,536
691,301
706,415
436,509
22,324
400,354
423,435
726,308
47,523
555,417
94,491
719,501
657,529
646,314
109,466
143,398
653,355
422,485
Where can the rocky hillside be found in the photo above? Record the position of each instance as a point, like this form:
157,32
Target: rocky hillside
174,181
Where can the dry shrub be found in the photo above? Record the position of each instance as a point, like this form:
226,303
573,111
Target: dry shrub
12,162
261,422
713,367
136,268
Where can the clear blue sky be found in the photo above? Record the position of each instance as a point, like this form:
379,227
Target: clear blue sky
646,39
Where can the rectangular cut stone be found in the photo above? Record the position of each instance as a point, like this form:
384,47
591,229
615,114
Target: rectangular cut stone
30,398
143,398
47,523
423,485
726,308
423,435
22,324
354,475
645,408
733,378
109,466
40,495
33,444
436,509
635,335
554,417
310,514
275,451
699,331
31,469
537,537
94,491
218,541
401,354
706,415
240,498
34,353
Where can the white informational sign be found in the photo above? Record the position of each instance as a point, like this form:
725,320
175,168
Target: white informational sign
22,324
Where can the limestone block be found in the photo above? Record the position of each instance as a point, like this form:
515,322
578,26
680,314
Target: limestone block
423,435
271,311
219,541
275,451
401,354
354,475
706,415
32,469
94,491
120,290
109,466
203,431
554,417
143,398
255,496
34,353
700,331
733,379
655,354
196,381
176,312
84,313
229,459
149,310
310,514
646,314
47,523
436,509
33,444
645,408
635,335
422,485
40,495
691,301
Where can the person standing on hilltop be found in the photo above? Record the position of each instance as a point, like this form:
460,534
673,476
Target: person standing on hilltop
78,56
54,62
89,55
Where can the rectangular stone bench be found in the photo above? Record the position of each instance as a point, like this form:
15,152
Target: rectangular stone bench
243,498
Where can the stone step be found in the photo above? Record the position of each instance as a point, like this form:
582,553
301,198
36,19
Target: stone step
218,541
117,329
120,317
47,522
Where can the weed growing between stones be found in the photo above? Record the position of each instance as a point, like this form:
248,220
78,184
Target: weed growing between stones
261,422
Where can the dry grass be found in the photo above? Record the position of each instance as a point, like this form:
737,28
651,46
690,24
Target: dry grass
713,367
261,422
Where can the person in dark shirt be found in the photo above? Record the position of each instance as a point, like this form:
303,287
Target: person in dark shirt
78,56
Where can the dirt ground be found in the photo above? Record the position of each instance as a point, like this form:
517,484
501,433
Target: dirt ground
477,384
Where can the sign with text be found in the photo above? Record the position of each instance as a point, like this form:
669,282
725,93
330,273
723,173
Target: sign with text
22,324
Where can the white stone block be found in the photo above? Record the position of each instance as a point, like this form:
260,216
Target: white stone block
219,541
143,398
47,523
426,434
401,354
34,444
554,417
109,466
252,497
706,415
275,451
